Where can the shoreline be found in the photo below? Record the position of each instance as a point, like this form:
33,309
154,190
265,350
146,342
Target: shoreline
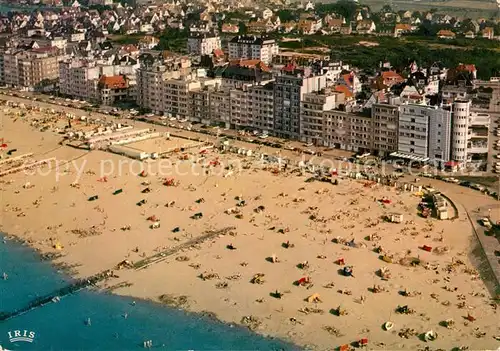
68,275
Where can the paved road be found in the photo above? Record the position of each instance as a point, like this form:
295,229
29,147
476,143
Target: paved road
468,202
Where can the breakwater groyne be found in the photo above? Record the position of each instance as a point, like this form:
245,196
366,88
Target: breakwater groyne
54,296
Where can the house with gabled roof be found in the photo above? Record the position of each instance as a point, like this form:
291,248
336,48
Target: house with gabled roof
365,27
402,28
446,34
488,33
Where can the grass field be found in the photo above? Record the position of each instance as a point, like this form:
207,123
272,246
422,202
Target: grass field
464,8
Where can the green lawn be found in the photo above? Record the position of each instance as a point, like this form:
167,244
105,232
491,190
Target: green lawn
402,51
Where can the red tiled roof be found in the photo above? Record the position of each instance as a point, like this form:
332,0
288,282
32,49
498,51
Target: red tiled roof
129,48
44,49
113,82
251,64
467,67
289,67
218,53
402,26
446,33
344,89
348,79
392,76
335,22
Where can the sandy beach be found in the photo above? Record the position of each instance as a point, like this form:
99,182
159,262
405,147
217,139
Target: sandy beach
275,224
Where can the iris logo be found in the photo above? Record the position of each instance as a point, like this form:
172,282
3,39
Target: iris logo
21,335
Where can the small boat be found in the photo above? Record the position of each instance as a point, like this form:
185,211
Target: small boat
431,335
388,326
4,276
88,322
56,299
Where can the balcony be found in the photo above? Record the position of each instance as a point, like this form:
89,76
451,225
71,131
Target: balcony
477,148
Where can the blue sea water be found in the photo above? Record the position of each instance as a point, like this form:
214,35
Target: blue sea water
61,326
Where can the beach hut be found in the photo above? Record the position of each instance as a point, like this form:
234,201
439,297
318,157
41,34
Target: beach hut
395,217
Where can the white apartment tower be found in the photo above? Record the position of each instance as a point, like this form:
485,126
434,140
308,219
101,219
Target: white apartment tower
78,79
470,134
252,48
425,131
413,131
461,110
203,43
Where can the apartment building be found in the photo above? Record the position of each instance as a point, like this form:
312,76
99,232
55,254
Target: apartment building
29,68
240,115
261,107
470,133
150,80
478,137
200,43
79,79
151,76
243,73
220,108
199,105
413,131
312,111
461,111
175,99
10,66
425,131
289,89
440,119
253,48
348,131
385,118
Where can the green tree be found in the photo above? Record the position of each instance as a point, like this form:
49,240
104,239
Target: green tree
287,15
173,39
346,8
387,9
